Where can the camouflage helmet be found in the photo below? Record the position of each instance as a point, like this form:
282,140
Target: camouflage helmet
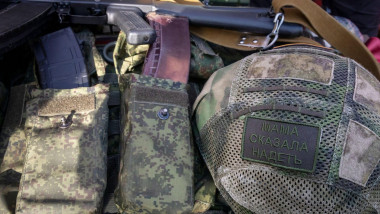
293,130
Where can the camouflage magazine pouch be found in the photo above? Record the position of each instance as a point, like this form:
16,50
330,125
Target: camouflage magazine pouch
156,169
293,130
65,163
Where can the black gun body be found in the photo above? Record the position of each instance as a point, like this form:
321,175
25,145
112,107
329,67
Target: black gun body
129,16
246,19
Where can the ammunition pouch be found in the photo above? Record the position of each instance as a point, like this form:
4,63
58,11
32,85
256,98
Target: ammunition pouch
65,162
156,169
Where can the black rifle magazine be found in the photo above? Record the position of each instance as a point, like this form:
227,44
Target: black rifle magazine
60,61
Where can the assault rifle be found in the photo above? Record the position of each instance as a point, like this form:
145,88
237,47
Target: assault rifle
128,16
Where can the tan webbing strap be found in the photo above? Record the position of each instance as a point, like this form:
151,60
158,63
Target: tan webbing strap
310,15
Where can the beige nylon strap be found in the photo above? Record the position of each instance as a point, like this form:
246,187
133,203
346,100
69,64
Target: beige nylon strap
310,15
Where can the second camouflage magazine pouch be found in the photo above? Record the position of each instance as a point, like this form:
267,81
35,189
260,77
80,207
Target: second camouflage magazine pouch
156,169
65,163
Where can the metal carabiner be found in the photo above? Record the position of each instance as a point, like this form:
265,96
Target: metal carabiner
268,41
273,36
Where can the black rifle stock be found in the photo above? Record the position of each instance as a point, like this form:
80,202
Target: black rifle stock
128,15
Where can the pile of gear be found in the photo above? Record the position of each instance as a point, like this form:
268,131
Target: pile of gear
186,125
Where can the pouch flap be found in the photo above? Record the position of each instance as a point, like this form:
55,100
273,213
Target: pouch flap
65,105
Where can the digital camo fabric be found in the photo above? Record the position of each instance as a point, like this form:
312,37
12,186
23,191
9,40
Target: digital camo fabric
65,168
284,91
13,147
156,168
105,73
128,58
204,61
9,183
95,63
12,137
205,196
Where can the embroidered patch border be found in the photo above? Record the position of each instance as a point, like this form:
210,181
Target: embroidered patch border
279,143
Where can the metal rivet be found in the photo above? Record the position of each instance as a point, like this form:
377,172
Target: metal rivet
243,38
241,42
163,114
255,41
64,123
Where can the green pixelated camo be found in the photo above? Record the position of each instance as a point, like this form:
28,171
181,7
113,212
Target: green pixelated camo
128,58
126,80
12,137
203,63
9,183
15,150
156,155
205,196
94,61
65,169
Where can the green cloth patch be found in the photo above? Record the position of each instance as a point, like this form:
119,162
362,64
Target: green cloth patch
278,143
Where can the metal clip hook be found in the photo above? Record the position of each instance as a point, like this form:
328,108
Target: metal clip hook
264,42
273,36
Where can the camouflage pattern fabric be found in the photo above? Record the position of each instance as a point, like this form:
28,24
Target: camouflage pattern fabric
128,58
12,137
359,160
204,61
291,66
205,196
367,90
291,85
229,55
94,61
101,71
204,186
65,163
156,170
9,183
